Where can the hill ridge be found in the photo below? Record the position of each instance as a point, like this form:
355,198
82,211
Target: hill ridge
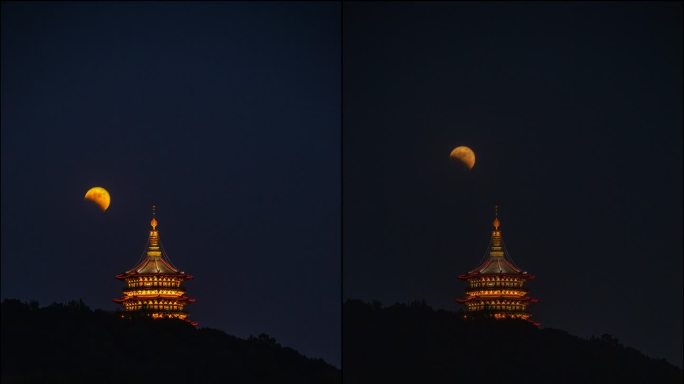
413,342
72,343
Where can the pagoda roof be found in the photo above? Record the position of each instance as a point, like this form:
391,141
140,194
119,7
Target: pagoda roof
497,261
496,297
154,262
525,299
158,297
496,265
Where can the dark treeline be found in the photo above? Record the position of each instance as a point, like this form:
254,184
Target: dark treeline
70,343
416,344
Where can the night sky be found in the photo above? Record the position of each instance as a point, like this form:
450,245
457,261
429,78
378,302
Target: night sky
575,113
225,115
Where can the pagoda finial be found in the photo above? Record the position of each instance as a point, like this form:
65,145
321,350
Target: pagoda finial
153,223
496,222
496,243
153,242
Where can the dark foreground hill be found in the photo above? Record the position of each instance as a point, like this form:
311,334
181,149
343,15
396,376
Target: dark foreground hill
416,344
73,344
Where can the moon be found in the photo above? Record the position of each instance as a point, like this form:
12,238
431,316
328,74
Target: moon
464,155
99,196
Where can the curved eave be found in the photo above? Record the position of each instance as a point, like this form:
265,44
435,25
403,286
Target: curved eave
471,275
480,298
162,288
147,297
161,297
133,273
507,297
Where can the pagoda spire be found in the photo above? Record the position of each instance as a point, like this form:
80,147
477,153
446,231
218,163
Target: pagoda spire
153,249
496,241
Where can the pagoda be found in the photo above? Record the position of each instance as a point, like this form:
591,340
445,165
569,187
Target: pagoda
496,288
154,286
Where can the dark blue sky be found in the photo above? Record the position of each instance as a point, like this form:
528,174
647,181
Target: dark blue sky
226,115
575,113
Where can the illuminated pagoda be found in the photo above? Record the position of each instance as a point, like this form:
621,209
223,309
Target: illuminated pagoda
154,287
496,288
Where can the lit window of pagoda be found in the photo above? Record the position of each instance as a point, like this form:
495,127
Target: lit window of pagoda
154,287
496,272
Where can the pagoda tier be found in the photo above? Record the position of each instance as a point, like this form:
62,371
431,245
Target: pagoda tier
496,288
154,287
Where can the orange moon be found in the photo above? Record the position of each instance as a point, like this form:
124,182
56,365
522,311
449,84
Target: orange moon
464,155
99,196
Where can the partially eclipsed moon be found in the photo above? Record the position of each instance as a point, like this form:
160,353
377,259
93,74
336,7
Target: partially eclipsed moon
99,196
464,155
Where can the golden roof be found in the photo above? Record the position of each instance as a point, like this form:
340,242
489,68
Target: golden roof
497,260
154,260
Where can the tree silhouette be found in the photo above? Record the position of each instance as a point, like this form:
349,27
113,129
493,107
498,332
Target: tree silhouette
416,344
70,343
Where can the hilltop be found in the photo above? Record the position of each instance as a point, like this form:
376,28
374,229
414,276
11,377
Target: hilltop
417,344
70,343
